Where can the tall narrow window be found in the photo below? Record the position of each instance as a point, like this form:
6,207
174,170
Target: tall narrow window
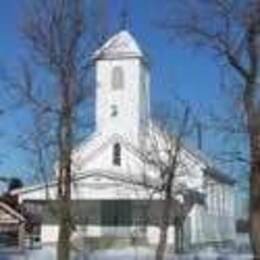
117,78
117,154
114,111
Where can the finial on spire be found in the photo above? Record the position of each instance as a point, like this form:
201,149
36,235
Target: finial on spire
124,17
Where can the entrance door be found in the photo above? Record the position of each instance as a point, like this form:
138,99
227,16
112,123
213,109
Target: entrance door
116,217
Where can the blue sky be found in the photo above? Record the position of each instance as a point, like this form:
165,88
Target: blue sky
193,75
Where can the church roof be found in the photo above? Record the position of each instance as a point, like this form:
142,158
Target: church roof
121,45
219,176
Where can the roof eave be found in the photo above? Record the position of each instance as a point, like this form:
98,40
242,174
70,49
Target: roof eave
215,174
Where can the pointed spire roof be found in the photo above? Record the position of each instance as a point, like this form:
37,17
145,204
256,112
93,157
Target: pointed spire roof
121,45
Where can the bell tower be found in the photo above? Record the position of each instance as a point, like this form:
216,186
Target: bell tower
122,88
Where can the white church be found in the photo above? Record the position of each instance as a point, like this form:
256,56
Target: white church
115,188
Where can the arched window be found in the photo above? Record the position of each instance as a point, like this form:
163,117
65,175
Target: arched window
117,154
114,111
117,78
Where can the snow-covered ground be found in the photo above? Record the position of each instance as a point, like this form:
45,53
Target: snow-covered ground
128,253
136,253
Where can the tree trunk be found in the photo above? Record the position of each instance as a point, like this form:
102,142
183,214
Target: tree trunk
178,232
63,249
167,203
65,220
254,217
253,128
65,148
160,251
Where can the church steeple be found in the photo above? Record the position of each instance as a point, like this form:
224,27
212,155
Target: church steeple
122,105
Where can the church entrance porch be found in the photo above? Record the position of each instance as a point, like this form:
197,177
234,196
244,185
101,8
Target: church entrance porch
131,220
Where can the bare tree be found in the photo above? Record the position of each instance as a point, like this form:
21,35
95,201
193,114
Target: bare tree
230,30
167,170
163,153
60,36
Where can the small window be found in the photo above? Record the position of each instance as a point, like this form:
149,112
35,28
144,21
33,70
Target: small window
114,111
117,154
117,78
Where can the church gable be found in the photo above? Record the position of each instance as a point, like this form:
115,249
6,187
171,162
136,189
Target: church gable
113,155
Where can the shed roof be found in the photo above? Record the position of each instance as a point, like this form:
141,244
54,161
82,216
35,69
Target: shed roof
9,215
